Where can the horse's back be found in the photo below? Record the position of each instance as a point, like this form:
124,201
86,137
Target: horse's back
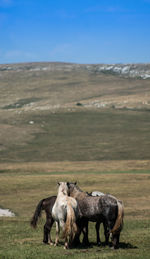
98,207
89,207
48,203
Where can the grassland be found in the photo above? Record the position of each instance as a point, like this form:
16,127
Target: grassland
73,125
76,136
22,191
42,121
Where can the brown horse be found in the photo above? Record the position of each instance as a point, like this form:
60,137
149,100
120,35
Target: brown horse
106,209
47,205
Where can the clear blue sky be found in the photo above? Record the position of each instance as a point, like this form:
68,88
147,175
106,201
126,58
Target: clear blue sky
80,31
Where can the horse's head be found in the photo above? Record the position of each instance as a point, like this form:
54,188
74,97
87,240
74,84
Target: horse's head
71,188
63,187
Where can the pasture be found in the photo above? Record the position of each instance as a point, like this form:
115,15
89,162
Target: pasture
70,123
81,135
21,190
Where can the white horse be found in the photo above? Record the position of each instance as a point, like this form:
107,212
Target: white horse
64,212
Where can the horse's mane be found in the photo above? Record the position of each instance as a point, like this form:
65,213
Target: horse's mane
77,188
79,193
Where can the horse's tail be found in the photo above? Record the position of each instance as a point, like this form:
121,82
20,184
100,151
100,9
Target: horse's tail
119,221
37,214
70,225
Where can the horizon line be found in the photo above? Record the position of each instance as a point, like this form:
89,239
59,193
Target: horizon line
75,63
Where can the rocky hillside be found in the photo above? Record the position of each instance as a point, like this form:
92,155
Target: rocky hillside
53,86
70,112
127,70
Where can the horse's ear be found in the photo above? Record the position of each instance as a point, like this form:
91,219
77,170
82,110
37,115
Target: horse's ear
75,183
58,183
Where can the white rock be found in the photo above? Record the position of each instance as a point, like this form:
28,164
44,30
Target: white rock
6,213
31,122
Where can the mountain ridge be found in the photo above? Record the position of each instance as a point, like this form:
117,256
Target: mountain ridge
139,70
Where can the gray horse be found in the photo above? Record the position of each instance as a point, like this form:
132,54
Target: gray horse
104,208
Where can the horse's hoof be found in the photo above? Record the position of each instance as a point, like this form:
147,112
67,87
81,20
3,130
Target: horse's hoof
114,247
45,242
51,243
66,247
99,244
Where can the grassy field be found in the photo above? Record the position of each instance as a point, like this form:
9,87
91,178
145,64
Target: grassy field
21,191
69,123
71,113
76,136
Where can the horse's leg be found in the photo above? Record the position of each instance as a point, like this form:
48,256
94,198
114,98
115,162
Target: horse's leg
85,233
66,246
114,237
62,224
97,226
57,233
106,233
50,225
76,240
115,240
47,230
46,233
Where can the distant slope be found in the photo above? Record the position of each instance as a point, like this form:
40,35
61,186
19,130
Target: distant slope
71,112
48,86
127,70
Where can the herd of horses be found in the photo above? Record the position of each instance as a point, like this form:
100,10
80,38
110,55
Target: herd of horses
73,208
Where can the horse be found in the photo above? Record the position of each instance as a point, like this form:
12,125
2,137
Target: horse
106,232
97,226
47,205
104,208
64,212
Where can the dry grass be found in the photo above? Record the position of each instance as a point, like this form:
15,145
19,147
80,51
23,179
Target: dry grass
21,191
21,188
105,149
77,166
67,87
64,131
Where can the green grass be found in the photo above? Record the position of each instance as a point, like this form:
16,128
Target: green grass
77,136
20,241
21,192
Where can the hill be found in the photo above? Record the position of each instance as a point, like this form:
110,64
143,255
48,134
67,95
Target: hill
47,86
72,112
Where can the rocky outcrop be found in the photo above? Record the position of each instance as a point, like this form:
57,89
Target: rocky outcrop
124,70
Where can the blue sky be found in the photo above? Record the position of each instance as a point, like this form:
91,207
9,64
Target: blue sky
80,31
